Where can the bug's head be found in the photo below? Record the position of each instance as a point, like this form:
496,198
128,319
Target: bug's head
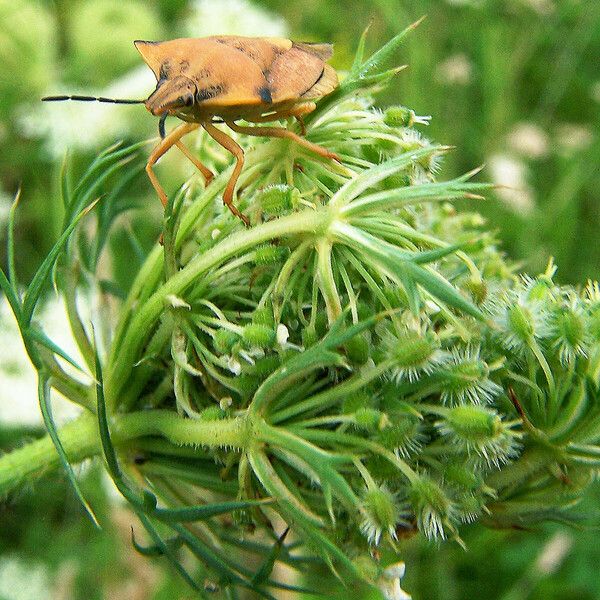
172,95
174,91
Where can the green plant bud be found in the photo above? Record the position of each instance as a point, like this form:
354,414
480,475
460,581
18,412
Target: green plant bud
278,199
479,430
464,476
469,507
256,335
224,340
270,254
569,333
356,401
540,289
570,326
432,507
370,419
478,289
473,423
398,116
396,181
357,349
212,413
466,379
263,316
380,514
520,322
412,354
403,435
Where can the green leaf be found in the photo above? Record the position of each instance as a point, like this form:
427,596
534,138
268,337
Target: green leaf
12,298
156,550
10,245
46,409
384,53
40,337
265,570
377,173
35,289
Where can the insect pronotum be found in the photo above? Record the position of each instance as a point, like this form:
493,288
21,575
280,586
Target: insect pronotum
224,79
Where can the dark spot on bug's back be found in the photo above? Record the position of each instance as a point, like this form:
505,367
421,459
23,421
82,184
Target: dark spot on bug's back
184,64
265,95
212,91
203,73
165,70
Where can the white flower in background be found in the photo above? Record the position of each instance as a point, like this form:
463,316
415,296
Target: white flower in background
18,378
573,137
6,201
541,7
85,126
233,17
529,140
455,70
553,553
23,580
510,174
389,582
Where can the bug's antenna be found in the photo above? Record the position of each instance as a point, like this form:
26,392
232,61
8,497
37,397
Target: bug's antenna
92,99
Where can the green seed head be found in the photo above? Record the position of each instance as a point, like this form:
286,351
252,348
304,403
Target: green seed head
256,335
224,340
278,199
380,514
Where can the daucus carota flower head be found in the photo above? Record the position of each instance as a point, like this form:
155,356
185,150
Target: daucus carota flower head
360,361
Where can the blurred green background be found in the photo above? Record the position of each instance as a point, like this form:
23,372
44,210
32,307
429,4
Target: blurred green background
512,84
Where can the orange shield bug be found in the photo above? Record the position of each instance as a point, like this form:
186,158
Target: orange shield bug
224,79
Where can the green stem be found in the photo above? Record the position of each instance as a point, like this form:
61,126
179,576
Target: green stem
327,280
80,440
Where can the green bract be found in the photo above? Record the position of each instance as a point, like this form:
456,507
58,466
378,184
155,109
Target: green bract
360,361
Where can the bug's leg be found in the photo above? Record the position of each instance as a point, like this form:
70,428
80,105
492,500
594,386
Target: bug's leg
281,132
206,172
229,144
299,112
172,138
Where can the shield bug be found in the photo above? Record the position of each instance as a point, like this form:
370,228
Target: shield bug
224,79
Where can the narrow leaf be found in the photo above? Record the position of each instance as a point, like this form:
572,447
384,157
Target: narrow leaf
10,244
46,409
35,289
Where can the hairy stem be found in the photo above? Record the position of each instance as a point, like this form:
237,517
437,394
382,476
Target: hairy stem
80,440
